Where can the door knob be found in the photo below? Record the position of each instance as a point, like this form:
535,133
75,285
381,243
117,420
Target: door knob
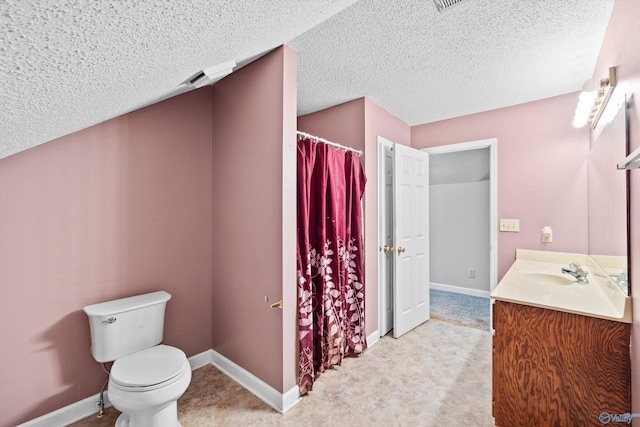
401,249
389,248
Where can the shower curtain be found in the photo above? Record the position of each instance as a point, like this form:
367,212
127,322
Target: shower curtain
330,260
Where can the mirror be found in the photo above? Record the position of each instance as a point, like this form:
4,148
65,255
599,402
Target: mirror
607,193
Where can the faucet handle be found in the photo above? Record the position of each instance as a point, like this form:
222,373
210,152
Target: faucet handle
622,279
623,275
578,269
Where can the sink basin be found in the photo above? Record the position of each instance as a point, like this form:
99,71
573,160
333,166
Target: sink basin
536,279
548,278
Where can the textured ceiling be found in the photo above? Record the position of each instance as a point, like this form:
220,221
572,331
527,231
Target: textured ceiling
422,65
66,65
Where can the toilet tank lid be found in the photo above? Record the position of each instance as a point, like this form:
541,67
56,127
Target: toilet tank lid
127,304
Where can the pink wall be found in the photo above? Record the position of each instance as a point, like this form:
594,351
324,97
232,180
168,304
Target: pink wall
343,124
542,170
621,48
357,124
115,210
254,211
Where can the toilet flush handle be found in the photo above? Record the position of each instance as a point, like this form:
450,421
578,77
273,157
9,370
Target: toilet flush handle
110,320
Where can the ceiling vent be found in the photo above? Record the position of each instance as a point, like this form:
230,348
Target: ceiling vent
210,75
443,5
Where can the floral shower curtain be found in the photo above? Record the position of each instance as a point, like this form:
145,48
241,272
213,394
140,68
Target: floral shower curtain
330,260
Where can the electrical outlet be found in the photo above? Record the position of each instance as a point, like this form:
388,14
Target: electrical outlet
512,225
472,273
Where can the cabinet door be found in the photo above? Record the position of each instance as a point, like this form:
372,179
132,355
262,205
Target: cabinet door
552,368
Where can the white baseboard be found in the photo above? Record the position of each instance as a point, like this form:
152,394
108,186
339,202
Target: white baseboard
69,414
460,290
87,407
278,401
200,360
373,338
272,397
290,399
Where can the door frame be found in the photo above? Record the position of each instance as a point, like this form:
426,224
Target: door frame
492,145
381,142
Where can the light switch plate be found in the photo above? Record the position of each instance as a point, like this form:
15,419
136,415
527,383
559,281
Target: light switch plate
512,225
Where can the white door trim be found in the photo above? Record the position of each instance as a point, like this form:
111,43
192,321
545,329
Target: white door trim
382,142
492,145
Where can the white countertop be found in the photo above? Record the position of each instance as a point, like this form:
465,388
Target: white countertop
525,284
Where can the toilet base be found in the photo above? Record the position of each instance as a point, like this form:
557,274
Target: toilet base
165,417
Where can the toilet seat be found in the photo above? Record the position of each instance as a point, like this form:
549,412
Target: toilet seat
149,369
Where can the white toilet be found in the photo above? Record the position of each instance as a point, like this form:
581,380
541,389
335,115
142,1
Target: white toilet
146,378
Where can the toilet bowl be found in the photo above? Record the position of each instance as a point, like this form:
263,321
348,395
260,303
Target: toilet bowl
145,386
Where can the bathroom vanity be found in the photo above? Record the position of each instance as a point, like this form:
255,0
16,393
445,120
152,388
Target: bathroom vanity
560,348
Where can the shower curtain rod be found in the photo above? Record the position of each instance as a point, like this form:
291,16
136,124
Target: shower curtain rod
335,144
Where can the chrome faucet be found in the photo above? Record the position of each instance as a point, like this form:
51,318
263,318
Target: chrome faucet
576,271
623,279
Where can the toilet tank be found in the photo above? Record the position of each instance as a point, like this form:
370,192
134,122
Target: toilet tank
125,326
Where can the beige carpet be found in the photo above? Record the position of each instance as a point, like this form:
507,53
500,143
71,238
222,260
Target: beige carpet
436,375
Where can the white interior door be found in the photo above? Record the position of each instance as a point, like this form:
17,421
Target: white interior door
411,238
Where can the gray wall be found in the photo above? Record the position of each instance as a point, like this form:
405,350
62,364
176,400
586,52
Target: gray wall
459,234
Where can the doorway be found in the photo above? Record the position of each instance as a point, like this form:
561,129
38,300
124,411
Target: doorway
386,208
460,159
463,226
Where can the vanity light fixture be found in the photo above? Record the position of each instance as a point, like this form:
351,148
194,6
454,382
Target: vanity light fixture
210,75
593,100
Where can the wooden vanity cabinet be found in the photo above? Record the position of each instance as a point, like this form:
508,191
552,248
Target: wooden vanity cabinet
552,368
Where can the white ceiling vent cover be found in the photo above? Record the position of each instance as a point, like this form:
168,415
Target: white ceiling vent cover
446,4
210,75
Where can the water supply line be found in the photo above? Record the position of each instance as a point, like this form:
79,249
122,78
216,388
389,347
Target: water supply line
100,403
